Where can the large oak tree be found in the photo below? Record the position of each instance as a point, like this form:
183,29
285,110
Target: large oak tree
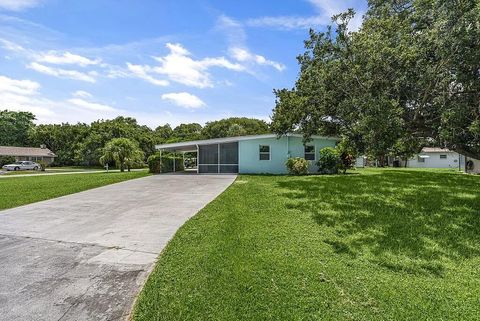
409,77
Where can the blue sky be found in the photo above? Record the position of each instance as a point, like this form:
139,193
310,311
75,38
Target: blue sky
158,61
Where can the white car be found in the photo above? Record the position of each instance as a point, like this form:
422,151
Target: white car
22,166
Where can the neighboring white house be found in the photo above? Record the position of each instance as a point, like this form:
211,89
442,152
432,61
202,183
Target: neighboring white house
434,157
34,154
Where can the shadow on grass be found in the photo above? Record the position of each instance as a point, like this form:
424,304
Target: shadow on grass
411,221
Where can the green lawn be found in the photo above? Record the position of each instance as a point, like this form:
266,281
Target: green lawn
374,245
16,191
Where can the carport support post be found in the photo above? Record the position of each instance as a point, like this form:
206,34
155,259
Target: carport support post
160,151
198,167
174,161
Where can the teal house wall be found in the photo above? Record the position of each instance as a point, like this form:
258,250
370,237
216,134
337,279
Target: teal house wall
280,150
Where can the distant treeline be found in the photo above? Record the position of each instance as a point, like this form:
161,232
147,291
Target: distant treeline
82,144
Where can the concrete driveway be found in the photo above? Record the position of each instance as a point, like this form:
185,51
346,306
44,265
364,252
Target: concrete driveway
85,256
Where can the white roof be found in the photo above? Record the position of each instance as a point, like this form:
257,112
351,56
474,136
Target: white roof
436,150
191,145
26,151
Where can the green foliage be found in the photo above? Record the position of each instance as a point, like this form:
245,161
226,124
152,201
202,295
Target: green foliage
43,165
347,154
328,161
63,139
5,160
235,126
124,152
163,133
185,132
297,166
154,165
167,164
375,245
15,127
409,73
102,131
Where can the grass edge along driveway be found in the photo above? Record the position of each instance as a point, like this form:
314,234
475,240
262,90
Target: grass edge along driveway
377,245
17,191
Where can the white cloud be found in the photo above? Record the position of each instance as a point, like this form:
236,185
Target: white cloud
22,95
12,46
63,73
237,45
143,73
67,58
326,9
244,55
82,94
184,99
90,105
180,67
20,87
18,5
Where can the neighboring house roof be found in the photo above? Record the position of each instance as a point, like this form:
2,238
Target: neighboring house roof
26,151
436,150
181,145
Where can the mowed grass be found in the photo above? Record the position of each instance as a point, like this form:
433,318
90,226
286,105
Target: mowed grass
373,245
16,191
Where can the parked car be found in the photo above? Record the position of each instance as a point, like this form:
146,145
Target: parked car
22,166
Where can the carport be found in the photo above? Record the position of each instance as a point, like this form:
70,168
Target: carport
214,156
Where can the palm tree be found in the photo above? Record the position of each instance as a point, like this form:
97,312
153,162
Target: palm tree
123,151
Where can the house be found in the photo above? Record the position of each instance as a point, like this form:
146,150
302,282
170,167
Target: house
251,154
34,154
434,157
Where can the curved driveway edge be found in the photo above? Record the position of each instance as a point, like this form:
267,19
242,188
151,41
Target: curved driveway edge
85,256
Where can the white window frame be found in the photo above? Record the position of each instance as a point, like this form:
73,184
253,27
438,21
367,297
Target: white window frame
314,152
264,153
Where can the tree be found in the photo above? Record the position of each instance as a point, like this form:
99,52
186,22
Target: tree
102,131
124,152
184,132
63,139
163,133
15,127
410,73
235,126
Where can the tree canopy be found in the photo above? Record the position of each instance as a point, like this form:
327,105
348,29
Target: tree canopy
410,76
123,151
15,127
235,126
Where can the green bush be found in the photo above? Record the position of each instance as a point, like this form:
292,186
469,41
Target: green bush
4,160
154,163
297,166
166,165
43,165
328,161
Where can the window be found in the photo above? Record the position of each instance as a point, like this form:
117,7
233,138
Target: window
421,159
264,152
443,156
309,152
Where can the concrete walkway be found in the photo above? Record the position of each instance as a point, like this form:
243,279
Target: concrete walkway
85,256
